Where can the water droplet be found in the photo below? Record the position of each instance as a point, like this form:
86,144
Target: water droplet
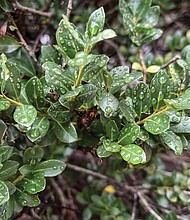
162,80
55,168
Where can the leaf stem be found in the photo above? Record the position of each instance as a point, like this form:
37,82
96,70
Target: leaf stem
78,81
155,113
18,179
13,102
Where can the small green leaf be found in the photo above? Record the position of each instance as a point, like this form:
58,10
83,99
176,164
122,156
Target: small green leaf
127,109
8,44
173,141
132,153
66,132
26,199
87,93
34,183
50,167
4,104
95,23
106,34
143,135
129,134
102,152
137,66
33,155
5,153
112,130
39,129
111,146
8,170
151,35
26,169
4,193
182,127
25,115
157,124
153,69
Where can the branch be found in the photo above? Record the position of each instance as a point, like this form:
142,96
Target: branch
20,7
170,62
69,8
141,57
147,206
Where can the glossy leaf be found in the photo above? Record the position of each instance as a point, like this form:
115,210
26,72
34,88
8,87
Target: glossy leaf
26,169
4,193
25,115
141,99
182,127
80,59
95,23
129,134
35,93
49,54
127,109
153,69
143,135
50,168
4,104
173,141
3,129
106,34
111,146
69,38
26,199
157,124
87,93
39,129
112,130
66,132
134,154
102,152
33,155
8,44
8,170
5,153
108,103
34,183
151,35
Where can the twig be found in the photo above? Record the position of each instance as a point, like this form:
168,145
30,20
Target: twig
141,57
34,215
147,206
69,8
83,170
17,5
170,61
117,50
133,216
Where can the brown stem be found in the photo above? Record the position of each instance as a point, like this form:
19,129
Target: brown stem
69,8
170,61
20,7
141,57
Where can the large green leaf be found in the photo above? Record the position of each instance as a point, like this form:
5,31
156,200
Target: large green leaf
35,92
39,129
34,183
141,99
8,170
69,38
50,168
33,155
61,79
127,109
108,103
8,44
173,141
5,153
182,127
132,153
157,124
25,115
111,146
95,23
4,193
66,132
129,133
112,130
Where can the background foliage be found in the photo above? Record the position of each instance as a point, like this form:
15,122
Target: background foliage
101,91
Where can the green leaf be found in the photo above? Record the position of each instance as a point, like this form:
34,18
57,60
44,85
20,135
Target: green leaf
6,6
48,53
173,141
66,132
102,152
5,153
129,134
4,193
132,153
35,92
9,169
95,23
157,124
39,129
151,35
141,99
143,135
80,59
69,38
61,79
34,183
111,146
26,169
87,93
153,69
185,54
25,115
3,129
33,155
26,199
127,109
50,167
108,103
182,127
8,44
106,34
4,104
112,130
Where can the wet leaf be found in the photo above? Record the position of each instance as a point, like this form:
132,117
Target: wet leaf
129,134
4,193
25,115
134,154
157,124
5,153
4,104
33,155
87,93
8,170
102,152
127,109
106,34
111,146
182,127
112,130
143,135
8,44
50,168
66,132
151,35
48,53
